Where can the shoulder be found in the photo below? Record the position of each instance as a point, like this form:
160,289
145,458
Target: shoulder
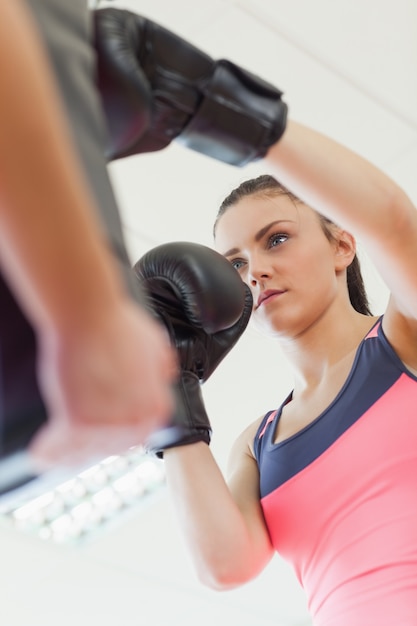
244,442
401,333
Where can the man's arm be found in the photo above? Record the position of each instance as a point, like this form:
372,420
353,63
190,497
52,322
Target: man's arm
103,361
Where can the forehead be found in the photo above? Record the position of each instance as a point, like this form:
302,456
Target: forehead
242,221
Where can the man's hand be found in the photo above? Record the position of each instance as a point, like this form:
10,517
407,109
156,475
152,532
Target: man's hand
106,388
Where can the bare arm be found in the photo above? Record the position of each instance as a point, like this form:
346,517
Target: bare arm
348,189
221,520
95,343
45,209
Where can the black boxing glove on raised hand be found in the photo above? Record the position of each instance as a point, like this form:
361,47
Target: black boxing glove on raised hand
214,107
205,307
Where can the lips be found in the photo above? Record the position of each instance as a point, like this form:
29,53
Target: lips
265,295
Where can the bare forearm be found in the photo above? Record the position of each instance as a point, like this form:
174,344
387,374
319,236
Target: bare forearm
226,551
51,248
335,181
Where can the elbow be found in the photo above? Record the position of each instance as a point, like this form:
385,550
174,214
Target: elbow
399,211
221,581
226,574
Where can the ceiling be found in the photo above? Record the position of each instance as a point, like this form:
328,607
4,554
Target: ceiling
348,69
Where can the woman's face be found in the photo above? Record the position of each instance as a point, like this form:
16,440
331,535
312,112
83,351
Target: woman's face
281,251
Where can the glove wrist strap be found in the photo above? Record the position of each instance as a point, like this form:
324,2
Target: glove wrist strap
190,422
239,118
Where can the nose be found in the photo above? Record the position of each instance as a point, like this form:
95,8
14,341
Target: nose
254,281
259,272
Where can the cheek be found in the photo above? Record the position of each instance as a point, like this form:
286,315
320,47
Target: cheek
318,263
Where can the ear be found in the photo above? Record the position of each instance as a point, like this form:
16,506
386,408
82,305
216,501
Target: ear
345,249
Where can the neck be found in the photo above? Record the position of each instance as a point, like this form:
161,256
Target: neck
325,344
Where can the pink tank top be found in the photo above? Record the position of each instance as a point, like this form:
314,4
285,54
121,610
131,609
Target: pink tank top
340,496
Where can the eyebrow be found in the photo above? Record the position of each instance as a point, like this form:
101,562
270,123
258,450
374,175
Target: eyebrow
257,237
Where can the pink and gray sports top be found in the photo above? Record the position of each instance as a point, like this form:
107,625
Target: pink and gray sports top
340,496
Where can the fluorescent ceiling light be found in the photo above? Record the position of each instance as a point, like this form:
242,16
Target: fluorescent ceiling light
93,500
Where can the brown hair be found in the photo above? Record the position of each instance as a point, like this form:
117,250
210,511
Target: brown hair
269,186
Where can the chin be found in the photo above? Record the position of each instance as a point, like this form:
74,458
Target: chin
276,326
267,327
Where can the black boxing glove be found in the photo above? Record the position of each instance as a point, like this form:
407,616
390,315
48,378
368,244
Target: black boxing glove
124,89
214,107
205,306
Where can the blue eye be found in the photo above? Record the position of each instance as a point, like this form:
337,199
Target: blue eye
276,240
237,264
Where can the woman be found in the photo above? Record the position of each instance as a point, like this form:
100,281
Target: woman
329,479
